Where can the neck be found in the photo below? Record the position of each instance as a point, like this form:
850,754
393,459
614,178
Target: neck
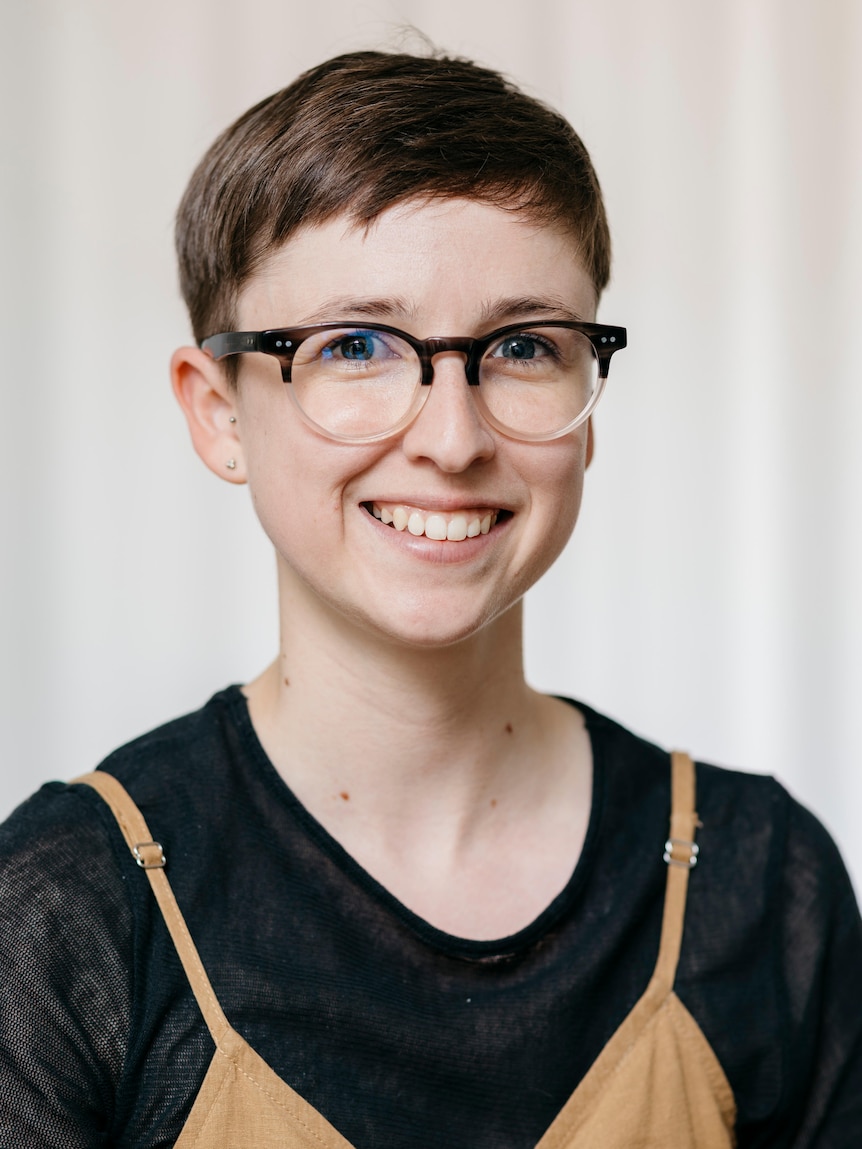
349,710
436,768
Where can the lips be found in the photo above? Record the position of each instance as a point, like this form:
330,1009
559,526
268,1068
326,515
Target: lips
455,526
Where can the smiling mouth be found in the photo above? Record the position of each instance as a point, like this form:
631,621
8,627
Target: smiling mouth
439,525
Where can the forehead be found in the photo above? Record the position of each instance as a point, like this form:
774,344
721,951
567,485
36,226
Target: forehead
419,262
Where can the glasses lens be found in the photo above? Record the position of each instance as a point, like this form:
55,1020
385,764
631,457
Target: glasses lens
539,380
356,382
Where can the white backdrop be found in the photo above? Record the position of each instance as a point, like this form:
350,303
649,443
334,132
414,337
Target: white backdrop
711,598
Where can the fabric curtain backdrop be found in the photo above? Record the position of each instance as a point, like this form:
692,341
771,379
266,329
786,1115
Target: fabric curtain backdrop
711,598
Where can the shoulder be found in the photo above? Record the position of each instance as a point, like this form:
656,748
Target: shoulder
763,846
52,840
62,845
742,817
749,823
770,893
181,754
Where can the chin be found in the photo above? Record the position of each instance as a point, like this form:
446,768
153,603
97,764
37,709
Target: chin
434,627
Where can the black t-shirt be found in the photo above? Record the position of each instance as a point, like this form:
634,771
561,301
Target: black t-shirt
401,1035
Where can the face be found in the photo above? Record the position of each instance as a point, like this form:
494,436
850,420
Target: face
333,510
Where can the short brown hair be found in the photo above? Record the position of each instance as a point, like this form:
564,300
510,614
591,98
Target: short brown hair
361,133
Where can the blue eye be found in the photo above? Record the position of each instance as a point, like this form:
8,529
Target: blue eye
519,347
355,347
523,346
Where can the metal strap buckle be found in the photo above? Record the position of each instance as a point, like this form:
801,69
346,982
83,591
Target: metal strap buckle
149,855
674,844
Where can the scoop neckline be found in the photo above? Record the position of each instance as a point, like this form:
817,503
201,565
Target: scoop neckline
452,945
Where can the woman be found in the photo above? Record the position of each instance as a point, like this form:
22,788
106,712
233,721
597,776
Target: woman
401,899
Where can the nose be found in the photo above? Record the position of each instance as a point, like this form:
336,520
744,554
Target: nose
449,430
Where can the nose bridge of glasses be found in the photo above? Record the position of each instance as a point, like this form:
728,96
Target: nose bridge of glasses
439,344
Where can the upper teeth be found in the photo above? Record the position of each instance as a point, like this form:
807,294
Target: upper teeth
436,524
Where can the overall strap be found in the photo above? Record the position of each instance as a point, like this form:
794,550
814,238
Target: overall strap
150,856
680,854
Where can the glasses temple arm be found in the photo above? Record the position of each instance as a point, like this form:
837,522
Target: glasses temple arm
231,343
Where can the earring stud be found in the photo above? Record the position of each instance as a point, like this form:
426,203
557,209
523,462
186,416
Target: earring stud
231,464
232,419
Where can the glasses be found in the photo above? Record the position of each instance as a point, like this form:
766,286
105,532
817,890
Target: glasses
357,383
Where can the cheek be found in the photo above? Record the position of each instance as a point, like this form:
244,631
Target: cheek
564,518
557,475
557,488
297,482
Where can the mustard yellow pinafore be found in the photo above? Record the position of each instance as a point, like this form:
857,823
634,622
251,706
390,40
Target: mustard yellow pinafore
656,1084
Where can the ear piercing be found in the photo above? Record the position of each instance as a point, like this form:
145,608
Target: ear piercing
231,463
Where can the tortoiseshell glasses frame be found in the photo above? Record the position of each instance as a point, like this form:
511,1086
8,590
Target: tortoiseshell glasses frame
348,355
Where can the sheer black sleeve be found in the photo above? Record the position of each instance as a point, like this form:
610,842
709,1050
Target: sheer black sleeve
65,932
821,950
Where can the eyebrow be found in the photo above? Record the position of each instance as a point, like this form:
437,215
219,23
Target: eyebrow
492,312
349,306
522,306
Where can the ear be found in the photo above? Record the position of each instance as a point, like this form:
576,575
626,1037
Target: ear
209,405
591,441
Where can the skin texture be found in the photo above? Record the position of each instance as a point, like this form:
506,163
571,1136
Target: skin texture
399,681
